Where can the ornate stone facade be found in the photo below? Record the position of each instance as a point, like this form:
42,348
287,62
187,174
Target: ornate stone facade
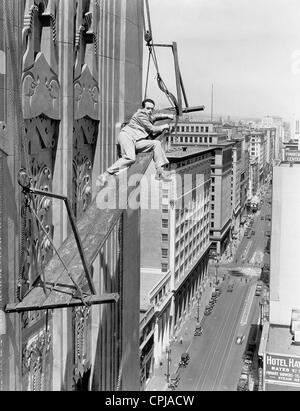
76,84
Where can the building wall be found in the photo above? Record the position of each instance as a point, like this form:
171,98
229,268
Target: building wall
184,267
284,276
151,221
70,135
221,172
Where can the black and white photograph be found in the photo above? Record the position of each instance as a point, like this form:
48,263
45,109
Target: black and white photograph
149,198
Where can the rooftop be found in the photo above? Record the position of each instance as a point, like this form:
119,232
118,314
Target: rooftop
279,341
149,278
182,152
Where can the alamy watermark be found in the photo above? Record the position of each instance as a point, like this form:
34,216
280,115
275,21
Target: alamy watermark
147,193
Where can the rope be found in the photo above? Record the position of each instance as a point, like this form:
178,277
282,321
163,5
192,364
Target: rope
149,40
147,77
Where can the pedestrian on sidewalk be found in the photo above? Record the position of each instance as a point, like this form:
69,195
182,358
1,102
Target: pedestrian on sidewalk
138,136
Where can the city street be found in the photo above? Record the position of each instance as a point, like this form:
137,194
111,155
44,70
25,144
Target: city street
215,357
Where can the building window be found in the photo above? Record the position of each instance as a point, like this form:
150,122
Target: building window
212,225
182,129
197,129
213,180
165,193
212,215
213,189
178,129
181,139
212,198
165,210
212,206
206,129
187,129
192,129
164,252
165,223
164,237
202,129
164,268
210,139
201,139
186,139
205,139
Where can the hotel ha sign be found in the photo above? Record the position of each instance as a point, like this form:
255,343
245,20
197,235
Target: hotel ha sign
282,369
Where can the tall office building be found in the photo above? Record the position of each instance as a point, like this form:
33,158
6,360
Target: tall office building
175,247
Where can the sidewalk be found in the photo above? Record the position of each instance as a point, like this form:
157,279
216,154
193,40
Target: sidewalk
158,382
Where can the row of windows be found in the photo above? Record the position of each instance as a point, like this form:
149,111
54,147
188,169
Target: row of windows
192,256
159,297
180,245
194,139
195,220
193,129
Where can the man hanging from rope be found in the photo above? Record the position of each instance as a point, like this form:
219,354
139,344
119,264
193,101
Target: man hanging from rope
137,137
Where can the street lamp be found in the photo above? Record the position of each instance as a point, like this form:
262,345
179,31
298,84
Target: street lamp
198,307
168,351
216,270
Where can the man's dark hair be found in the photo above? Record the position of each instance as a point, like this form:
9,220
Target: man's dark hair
147,100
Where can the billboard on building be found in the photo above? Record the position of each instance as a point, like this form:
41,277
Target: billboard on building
282,369
292,155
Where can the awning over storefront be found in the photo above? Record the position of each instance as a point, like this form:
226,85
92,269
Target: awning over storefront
264,339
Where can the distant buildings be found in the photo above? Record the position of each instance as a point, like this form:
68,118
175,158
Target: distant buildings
277,123
295,127
258,151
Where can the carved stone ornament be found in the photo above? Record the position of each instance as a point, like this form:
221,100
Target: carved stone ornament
86,96
82,167
40,91
35,361
86,34
39,15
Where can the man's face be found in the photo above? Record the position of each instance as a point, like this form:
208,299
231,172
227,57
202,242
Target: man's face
149,107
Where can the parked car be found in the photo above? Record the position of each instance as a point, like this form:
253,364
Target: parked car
207,311
258,289
239,339
230,288
198,330
243,383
